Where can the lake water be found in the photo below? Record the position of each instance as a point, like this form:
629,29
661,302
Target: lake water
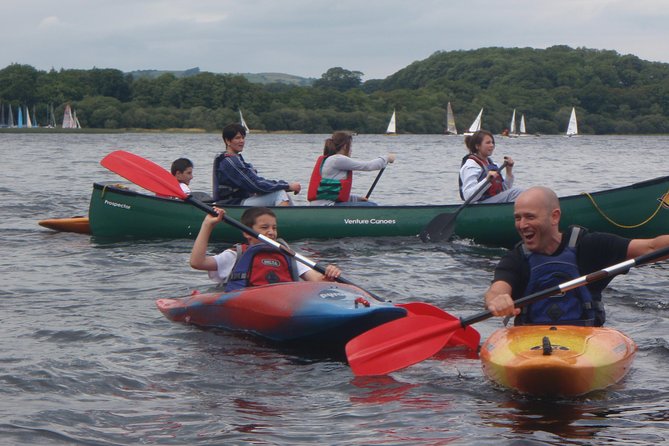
85,357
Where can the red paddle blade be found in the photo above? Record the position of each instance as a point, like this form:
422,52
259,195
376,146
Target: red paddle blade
469,336
143,173
398,344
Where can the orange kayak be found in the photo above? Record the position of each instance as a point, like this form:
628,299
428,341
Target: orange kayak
557,361
72,224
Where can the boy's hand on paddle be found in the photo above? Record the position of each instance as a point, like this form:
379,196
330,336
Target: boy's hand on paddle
214,220
332,272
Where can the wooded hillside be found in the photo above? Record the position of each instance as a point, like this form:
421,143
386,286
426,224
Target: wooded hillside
612,93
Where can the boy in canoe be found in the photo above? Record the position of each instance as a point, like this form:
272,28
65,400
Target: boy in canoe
546,257
237,182
182,169
255,262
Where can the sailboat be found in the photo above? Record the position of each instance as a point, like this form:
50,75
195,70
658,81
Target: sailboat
572,128
450,121
512,127
10,118
522,130
29,122
68,119
243,123
77,125
20,115
476,125
392,130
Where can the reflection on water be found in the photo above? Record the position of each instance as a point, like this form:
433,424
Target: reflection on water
569,420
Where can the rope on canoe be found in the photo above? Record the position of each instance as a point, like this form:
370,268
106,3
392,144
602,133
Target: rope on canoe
664,202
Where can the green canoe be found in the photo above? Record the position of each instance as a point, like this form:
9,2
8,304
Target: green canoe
635,211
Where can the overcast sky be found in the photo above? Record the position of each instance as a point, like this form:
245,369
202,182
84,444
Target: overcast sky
306,37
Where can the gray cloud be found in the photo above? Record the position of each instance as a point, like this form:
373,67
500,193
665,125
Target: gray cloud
306,37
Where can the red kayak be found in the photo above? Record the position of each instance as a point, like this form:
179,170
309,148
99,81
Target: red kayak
313,312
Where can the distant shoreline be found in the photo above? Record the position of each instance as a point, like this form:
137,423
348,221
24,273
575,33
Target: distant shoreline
129,130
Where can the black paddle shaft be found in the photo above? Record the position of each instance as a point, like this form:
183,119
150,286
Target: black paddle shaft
442,226
376,180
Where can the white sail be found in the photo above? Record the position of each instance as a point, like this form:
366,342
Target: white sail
476,125
68,120
572,128
512,127
29,122
450,121
77,125
10,118
243,123
522,129
391,125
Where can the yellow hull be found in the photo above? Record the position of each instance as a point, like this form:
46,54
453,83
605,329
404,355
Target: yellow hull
73,224
571,362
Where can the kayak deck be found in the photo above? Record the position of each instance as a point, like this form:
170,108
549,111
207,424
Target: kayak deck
314,312
557,361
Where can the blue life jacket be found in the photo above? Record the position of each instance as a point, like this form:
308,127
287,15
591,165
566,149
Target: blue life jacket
496,186
575,307
260,264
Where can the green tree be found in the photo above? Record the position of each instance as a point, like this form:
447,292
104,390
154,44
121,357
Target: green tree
339,79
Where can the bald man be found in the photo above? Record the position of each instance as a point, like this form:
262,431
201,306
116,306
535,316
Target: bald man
546,257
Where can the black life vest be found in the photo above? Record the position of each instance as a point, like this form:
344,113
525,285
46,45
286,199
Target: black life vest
575,307
260,264
496,186
327,188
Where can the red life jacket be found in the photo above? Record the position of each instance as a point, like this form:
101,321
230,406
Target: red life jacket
326,188
260,264
496,185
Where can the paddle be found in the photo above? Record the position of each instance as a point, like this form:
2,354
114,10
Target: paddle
376,180
403,342
442,226
468,337
151,176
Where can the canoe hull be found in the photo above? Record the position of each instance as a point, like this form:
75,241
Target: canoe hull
583,359
319,313
79,225
636,211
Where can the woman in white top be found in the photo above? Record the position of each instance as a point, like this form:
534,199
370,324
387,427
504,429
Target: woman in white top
332,177
478,168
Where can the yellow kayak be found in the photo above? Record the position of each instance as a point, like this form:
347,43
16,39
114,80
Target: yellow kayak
557,361
72,224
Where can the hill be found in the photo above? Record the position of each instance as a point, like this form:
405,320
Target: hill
614,93
257,78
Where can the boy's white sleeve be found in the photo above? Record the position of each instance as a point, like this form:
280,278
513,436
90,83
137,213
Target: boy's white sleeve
224,261
302,268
